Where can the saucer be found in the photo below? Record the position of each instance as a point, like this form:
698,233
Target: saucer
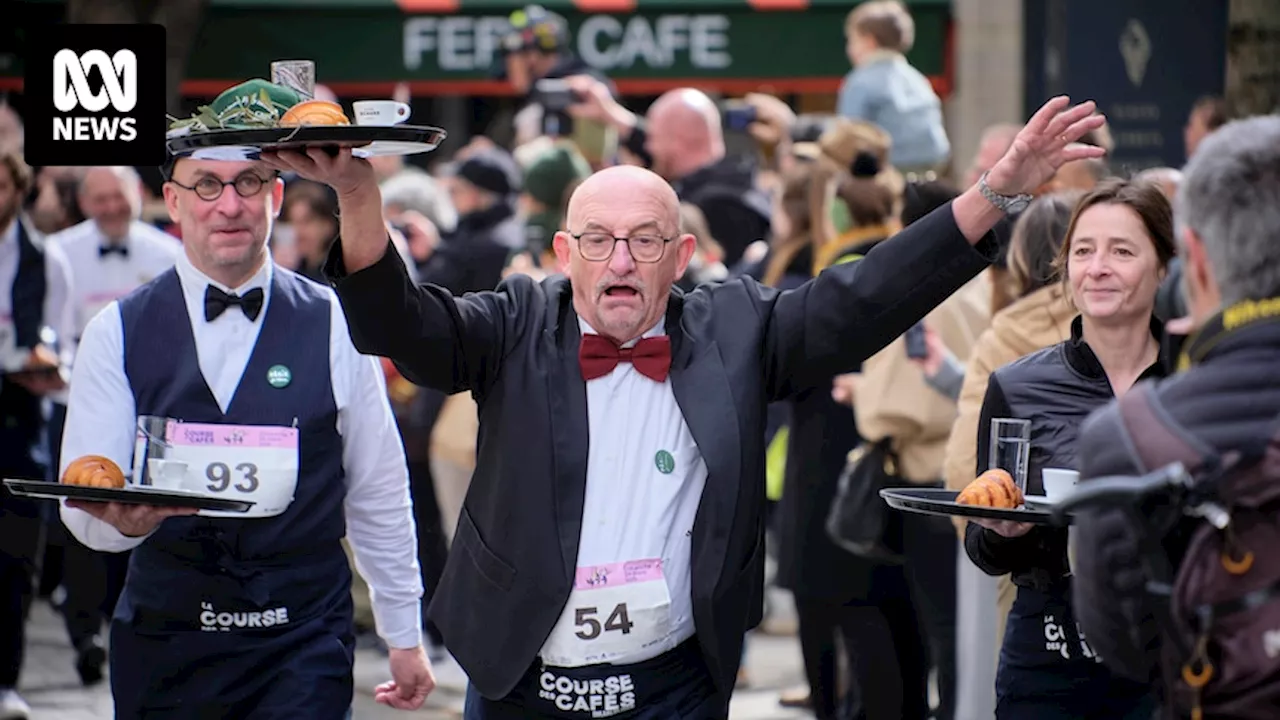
1038,501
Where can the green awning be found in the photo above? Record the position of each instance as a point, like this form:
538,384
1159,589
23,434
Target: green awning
558,5
364,47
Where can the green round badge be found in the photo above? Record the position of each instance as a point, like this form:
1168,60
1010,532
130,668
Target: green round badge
278,376
665,462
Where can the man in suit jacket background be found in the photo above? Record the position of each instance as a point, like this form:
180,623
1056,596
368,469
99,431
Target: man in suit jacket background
609,555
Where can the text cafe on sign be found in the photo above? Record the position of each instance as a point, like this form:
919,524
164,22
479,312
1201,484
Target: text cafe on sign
95,97
464,43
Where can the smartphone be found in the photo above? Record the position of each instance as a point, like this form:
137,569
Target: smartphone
555,95
916,347
739,117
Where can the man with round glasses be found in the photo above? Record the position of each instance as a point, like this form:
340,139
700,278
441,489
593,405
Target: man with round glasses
609,556
247,184
247,373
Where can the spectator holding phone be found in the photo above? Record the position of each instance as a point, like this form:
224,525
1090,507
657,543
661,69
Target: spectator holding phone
682,139
535,54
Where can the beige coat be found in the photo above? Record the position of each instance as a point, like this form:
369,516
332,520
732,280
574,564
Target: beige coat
893,399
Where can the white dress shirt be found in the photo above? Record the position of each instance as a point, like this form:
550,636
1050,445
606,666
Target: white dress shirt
98,279
101,419
58,313
632,511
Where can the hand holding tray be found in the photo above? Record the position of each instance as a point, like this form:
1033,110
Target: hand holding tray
934,501
257,116
365,140
129,495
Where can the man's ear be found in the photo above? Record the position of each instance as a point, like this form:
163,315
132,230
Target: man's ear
1195,263
170,193
560,243
685,245
277,197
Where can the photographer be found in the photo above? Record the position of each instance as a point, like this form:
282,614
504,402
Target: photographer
536,56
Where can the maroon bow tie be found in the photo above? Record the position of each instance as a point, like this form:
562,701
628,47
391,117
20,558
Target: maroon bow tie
599,356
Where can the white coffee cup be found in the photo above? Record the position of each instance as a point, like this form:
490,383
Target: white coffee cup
1058,483
380,112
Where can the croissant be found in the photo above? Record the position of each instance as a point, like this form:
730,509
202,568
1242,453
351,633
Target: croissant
314,112
94,471
994,488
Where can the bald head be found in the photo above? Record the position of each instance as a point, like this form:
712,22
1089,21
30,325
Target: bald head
995,142
684,132
1166,177
625,184
621,288
112,198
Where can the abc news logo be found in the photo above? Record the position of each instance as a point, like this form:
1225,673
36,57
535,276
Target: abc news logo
96,95
71,91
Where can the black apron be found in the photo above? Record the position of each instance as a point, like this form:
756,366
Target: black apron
673,686
235,640
1049,672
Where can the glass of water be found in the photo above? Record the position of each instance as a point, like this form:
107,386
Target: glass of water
1011,448
149,448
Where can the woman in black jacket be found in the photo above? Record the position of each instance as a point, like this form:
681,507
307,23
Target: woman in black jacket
1119,244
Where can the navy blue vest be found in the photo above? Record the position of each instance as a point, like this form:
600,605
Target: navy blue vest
21,424
293,558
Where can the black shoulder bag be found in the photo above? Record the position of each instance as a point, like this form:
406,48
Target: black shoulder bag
860,521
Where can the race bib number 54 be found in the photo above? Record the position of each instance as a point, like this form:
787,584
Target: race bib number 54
614,611
254,463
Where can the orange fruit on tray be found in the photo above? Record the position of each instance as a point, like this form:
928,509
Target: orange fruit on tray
994,489
314,112
94,471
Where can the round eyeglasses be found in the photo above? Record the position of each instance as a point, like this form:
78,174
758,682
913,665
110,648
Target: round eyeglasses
598,247
210,188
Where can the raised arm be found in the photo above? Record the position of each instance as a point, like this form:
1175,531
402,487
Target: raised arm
851,311
446,343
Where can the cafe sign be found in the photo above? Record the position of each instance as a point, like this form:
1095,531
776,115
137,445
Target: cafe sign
696,42
451,46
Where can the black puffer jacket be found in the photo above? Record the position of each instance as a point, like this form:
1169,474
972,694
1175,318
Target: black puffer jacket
1055,388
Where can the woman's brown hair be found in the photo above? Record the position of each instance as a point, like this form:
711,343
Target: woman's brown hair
1036,244
795,200
1144,198
868,200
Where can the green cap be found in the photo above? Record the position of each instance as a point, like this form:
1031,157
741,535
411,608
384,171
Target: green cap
250,105
551,173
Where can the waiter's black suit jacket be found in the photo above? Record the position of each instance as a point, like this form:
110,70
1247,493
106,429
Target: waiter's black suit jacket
735,348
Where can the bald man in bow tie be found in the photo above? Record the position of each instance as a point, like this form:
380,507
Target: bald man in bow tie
609,556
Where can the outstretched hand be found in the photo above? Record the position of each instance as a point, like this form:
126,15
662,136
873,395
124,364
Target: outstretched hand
342,171
1047,142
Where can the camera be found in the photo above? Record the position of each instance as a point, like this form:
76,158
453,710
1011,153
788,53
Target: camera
738,116
555,95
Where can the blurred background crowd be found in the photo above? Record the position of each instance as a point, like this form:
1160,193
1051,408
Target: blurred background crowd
788,156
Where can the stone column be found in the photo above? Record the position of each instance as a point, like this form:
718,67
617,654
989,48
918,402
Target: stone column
989,73
1253,57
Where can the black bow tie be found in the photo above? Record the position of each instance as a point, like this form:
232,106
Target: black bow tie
121,250
216,302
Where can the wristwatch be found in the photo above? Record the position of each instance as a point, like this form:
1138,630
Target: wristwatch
1008,204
